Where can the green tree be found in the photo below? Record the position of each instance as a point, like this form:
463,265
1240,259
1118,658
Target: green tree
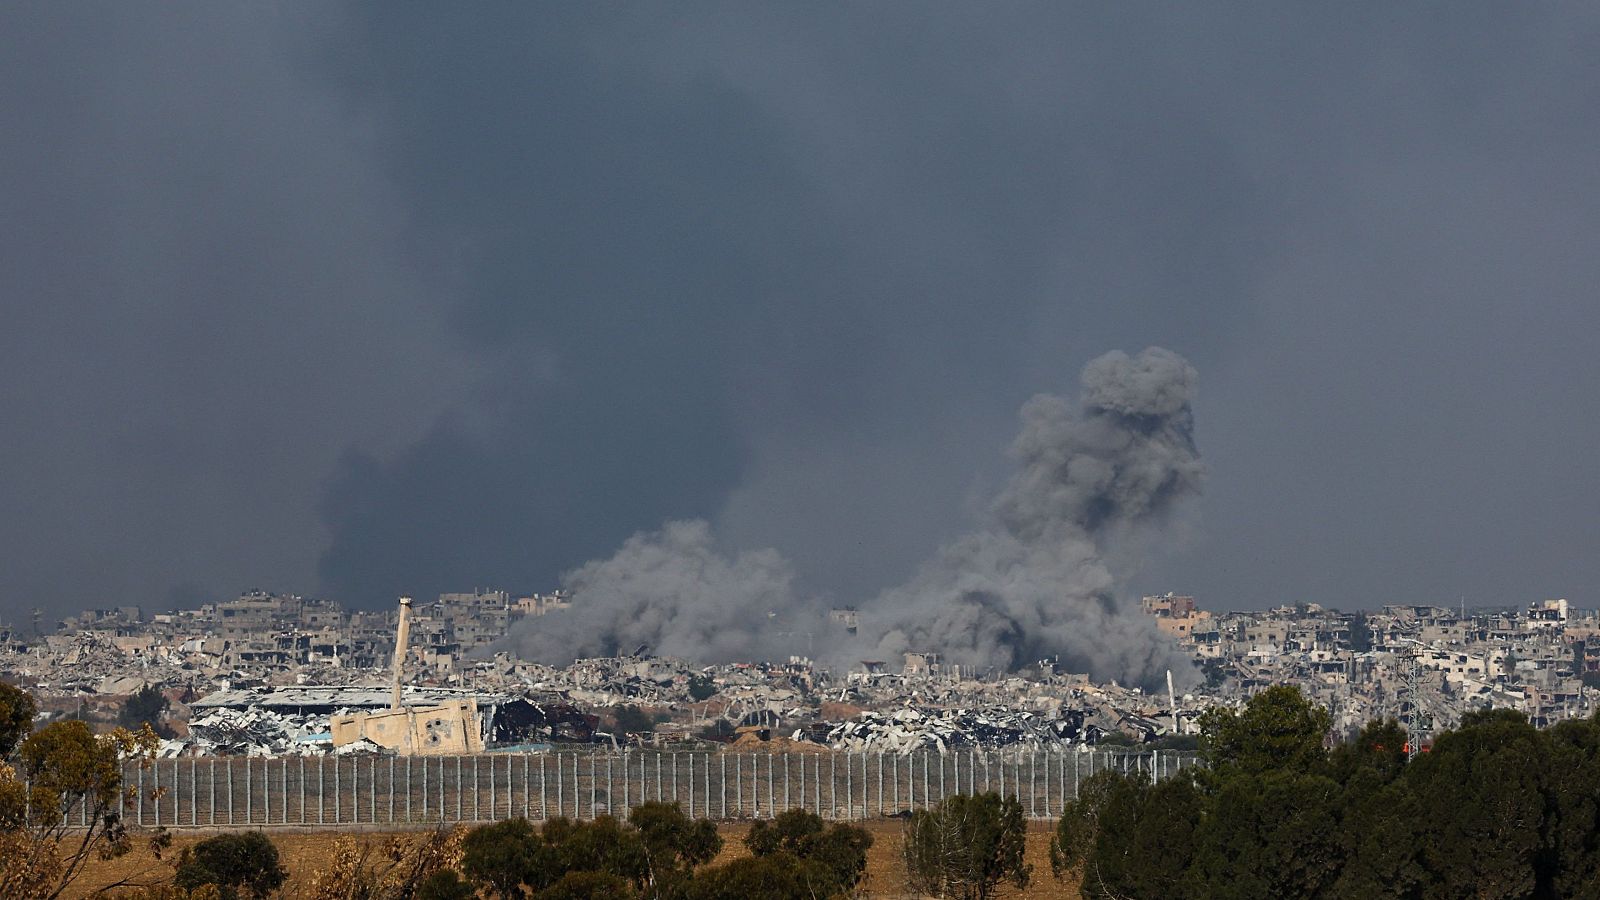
1129,838
17,710
775,876
243,862
966,846
1482,799
830,859
1277,730
445,884
1269,834
588,886
674,843
57,777
145,707
1573,830
790,831
506,855
601,845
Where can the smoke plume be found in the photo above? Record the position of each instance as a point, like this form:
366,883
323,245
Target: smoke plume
1039,578
673,591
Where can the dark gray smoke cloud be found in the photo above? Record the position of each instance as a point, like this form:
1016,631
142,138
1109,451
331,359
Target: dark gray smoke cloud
1039,580
1043,578
674,591
367,299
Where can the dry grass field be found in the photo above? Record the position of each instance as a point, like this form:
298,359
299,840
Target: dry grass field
304,853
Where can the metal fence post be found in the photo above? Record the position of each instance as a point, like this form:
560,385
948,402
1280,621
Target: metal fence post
833,784
802,781
927,799
911,783
816,783
849,793
1044,793
1033,772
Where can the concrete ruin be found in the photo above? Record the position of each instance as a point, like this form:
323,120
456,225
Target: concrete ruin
444,729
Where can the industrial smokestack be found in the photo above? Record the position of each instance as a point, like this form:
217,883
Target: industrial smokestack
402,635
1172,698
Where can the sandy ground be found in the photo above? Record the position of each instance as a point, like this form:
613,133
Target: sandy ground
304,853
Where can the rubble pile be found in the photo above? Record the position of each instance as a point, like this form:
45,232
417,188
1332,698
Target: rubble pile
910,729
258,732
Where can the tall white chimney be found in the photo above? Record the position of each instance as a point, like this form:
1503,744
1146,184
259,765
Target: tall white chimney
401,637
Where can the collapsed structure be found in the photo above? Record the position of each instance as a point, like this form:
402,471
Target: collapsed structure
447,727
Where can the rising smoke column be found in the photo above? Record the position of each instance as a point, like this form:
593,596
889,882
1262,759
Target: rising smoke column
1041,578
672,590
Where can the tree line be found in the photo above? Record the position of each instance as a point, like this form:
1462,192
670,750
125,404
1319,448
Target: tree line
1494,809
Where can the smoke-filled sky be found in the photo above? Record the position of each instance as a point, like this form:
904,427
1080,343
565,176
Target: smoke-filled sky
398,298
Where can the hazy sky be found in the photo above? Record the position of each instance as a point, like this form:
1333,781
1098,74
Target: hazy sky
404,298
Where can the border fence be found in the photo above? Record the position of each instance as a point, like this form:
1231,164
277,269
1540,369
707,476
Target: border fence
383,791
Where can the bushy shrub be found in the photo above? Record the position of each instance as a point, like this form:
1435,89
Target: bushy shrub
246,861
654,853
588,886
967,846
445,884
831,859
505,856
